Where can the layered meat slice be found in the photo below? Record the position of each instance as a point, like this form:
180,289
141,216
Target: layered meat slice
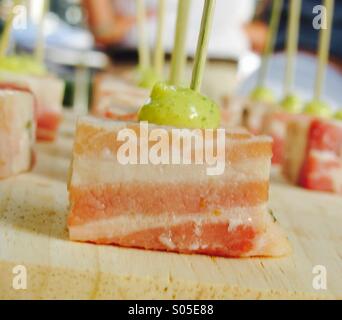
259,118
172,206
17,131
232,111
295,148
275,126
255,113
314,154
237,111
116,98
49,93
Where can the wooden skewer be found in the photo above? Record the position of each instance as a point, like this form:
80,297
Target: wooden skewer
324,49
292,45
270,42
144,54
202,46
39,52
179,56
4,42
159,55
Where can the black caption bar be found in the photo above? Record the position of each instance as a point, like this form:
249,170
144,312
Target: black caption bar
113,310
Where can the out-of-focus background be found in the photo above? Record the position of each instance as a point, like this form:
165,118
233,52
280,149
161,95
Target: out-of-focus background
86,36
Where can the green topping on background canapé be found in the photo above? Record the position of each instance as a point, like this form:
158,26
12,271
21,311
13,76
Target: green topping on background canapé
180,107
292,104
338,115
147,78
22,65
262,94
318,108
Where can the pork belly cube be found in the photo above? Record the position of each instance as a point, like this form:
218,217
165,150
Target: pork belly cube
295,148
322,169
258,118
116,98
172,207
17,132
314,154
49,92
237,111
255,114
275,126
232,111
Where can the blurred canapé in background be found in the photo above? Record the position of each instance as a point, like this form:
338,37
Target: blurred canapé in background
94,33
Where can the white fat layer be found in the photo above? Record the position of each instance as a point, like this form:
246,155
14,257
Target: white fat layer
86,171
278,128
238,221
166,240
325,155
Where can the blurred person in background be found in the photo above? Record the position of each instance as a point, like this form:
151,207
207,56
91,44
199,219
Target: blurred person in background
113,24
108,20
308,37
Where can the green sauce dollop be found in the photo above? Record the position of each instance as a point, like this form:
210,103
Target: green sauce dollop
181,108
318,108
338,115
22,65
262,94
292,104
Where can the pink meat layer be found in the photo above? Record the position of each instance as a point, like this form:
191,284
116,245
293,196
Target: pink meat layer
210,236
103,201
214,239
47,125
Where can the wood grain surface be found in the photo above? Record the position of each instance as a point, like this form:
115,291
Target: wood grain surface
33,233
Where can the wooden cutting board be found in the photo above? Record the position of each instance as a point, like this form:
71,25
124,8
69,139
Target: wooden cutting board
33,233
